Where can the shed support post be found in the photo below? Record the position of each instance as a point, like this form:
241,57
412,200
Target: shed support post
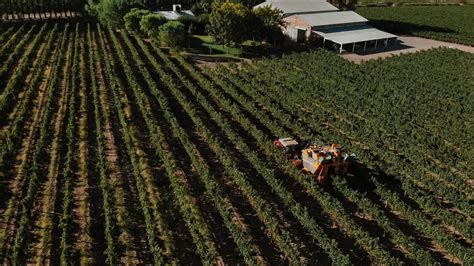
340,49
386,42
365,45
376,44
324,42
353,46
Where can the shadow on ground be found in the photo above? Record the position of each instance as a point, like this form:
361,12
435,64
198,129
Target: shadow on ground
406,28
397,47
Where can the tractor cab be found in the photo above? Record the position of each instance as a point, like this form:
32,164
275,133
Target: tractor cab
290,146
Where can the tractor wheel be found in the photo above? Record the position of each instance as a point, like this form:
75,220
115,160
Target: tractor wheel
297,163
277,143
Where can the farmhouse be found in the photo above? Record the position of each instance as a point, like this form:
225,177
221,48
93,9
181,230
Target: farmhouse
322,22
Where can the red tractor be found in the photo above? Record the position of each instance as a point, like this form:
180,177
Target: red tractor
292,149
290,146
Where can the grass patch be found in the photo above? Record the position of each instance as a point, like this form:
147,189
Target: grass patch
204,44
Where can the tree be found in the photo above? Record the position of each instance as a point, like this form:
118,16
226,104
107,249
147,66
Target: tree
172,34
228,22
269,21
132,19
150,24
201,23
250,3
202,7
187,20
110,12
344,4
206,6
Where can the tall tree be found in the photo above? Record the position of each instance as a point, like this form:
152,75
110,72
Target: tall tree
229,22
269,21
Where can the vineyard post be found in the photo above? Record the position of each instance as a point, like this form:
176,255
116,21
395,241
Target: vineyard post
12,10
39,8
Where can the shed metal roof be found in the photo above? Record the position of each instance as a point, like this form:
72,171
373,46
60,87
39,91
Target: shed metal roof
305,6
332,18
354,34
173,15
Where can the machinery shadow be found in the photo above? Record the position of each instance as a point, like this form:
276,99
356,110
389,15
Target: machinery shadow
360,179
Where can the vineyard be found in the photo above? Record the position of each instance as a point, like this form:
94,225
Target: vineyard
445,23
40,9
114,151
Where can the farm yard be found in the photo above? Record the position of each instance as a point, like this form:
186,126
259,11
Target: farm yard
116,151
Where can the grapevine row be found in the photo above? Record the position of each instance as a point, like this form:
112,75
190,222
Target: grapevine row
13,39
332,82
190,211
68,169
453,247
102,166
13,55
7,34
382,221
243,240
415,156
11,135
262,208
395,167
19,179
19,73
123,215
84,240
326,201
35,175
46,220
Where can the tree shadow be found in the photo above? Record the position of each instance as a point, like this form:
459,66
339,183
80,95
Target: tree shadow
405,27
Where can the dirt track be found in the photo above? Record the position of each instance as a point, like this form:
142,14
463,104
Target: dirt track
409,44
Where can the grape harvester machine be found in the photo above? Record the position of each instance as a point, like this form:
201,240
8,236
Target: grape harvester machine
320,161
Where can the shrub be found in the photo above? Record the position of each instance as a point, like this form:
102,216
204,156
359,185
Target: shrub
132,19
111,12
200,23
172,34
150,23
187,21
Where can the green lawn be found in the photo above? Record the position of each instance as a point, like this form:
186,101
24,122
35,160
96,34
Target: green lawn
446,23
204,44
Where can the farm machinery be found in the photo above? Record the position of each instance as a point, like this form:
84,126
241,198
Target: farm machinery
319,161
